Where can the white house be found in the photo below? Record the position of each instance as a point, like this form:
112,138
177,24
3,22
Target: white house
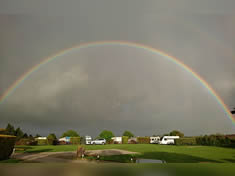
117,140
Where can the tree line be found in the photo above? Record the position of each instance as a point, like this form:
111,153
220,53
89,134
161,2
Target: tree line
106,134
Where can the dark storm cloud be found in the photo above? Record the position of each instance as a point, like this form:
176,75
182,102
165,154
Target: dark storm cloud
118,88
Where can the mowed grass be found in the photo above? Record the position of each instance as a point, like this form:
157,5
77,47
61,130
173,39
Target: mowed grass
168,153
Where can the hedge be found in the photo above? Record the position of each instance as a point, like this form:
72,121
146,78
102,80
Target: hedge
7,144
214,140
143,140
125,139
185,141
75,140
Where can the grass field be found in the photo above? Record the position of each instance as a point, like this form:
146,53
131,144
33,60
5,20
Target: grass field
170,154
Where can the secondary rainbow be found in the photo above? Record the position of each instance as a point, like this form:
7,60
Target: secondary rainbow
27,74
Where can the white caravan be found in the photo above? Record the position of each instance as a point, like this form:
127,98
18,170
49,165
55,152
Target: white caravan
117,140
154,140
88,140
168,140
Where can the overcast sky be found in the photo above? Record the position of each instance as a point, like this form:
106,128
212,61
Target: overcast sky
118,87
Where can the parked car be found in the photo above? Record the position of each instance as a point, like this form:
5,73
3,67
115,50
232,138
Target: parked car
98,142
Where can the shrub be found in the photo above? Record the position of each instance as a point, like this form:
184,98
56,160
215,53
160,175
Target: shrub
125,139
132,142
75,140
185,141
26,141
62,142
42,141
143,140
111,141
52,142
7,144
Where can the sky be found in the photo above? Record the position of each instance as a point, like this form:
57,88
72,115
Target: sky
117,87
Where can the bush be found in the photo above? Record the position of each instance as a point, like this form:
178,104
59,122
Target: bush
125,139
42,141
51,142
143,140
185,141
26,141
75,140
62,143
7,144
111,142
132,142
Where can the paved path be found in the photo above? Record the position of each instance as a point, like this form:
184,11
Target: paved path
66,157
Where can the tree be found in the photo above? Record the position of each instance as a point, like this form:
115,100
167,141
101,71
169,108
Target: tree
176,133
25,135
10,130
37,135
51,139
19,133
106,135
128,133
30,137
51,136
70,133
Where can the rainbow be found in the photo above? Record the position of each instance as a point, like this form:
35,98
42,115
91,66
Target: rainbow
27,74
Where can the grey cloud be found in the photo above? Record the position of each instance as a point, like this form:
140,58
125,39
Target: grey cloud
118,87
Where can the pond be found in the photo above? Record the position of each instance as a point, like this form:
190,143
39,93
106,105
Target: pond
149,161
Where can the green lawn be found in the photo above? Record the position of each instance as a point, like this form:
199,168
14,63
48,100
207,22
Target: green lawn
170,154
